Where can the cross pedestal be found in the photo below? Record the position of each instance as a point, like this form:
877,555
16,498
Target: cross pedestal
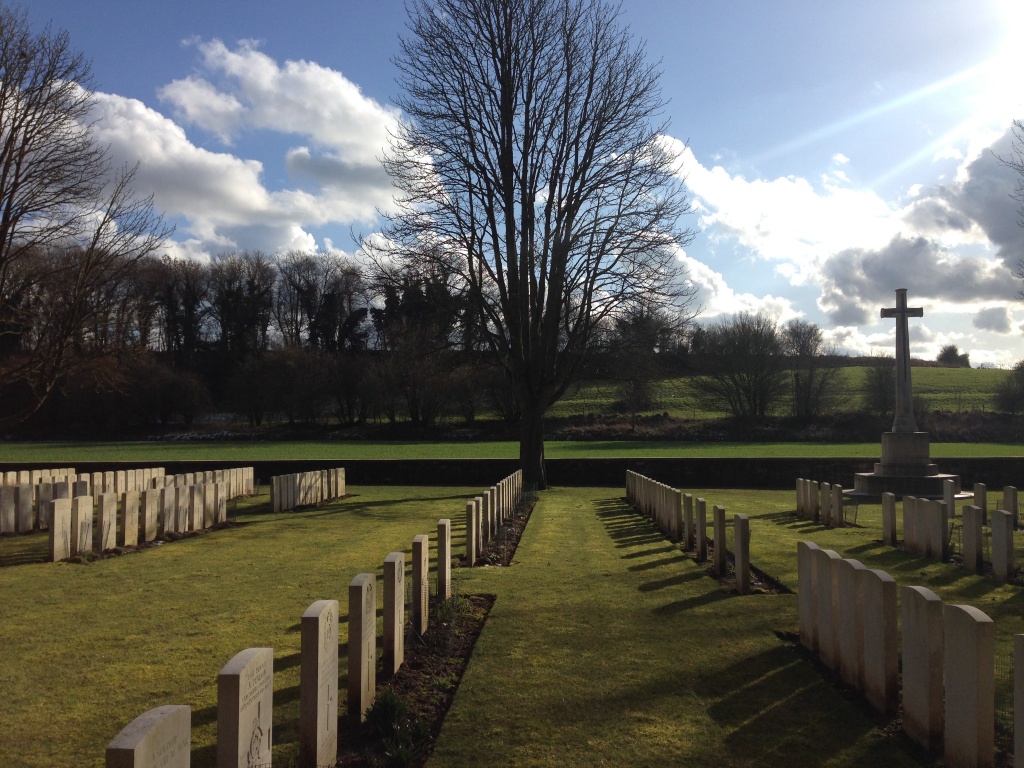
906,468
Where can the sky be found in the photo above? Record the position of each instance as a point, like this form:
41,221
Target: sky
833,151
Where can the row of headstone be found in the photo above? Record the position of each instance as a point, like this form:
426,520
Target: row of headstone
927,532
486,514
24,507
673,511
660,503
304,489
36,476
925,526
848,617
136,517
822,502
161,737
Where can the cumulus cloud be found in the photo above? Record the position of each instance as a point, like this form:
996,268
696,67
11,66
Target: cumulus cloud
249,90
995,319
856,279
716,298
221,200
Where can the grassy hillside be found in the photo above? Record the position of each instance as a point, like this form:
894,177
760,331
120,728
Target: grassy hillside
943,389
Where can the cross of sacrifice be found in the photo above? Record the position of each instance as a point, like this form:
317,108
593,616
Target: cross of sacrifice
904,421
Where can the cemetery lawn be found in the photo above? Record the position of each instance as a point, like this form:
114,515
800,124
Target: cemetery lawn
149,452
607,645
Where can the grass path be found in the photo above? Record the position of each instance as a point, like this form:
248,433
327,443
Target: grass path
607,647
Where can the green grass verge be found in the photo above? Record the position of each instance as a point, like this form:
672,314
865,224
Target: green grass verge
606,645
333,450
87,648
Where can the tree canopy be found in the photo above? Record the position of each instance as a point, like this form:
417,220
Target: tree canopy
533,164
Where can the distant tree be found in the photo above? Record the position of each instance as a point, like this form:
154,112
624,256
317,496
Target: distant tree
950,356
816,385
534,151
743,365
70,223
1009,394
879,388
641,339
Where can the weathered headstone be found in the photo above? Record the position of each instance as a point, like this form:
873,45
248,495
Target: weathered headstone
826,609
837,506
807,583
922,666
741,553
1003,565
159,738
24,517
197,494
44,495
318,685
881,654
471,533
128,535
972,539
106,520
702,530
8,509
59,514
245,709
825,503
720,562
394,612
444,559
687,522
80,488
420,584
850,623
1010,504
969,658
981,501
362,645
149,503
949,496
209,504
81,525
889,519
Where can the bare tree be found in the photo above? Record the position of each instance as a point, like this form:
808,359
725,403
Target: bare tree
743,362
69,223
816,385
533,159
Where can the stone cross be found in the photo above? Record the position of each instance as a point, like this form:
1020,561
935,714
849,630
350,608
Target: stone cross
904,421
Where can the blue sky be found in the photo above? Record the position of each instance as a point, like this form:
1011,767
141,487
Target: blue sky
837,150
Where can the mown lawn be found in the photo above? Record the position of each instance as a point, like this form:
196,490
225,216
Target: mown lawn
155,452
606,646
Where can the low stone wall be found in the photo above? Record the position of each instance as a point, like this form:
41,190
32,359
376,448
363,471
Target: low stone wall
766,473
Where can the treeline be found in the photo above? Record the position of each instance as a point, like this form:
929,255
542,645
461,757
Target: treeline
299,337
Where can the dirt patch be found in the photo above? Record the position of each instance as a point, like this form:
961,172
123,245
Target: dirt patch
426,682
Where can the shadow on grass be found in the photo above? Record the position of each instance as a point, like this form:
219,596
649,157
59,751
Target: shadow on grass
770,704
671,581
681,606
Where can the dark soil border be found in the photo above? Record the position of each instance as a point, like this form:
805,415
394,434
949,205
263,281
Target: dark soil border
434,664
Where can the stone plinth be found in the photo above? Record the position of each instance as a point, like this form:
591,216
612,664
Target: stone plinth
905,470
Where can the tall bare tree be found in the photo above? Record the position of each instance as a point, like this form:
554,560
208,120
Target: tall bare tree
533,158
70,224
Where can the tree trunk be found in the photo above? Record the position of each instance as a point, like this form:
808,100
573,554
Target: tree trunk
531,447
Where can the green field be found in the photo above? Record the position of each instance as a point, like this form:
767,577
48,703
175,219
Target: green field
155,452
606,646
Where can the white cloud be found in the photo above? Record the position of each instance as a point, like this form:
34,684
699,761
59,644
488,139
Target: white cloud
221,200
716,298
301,98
